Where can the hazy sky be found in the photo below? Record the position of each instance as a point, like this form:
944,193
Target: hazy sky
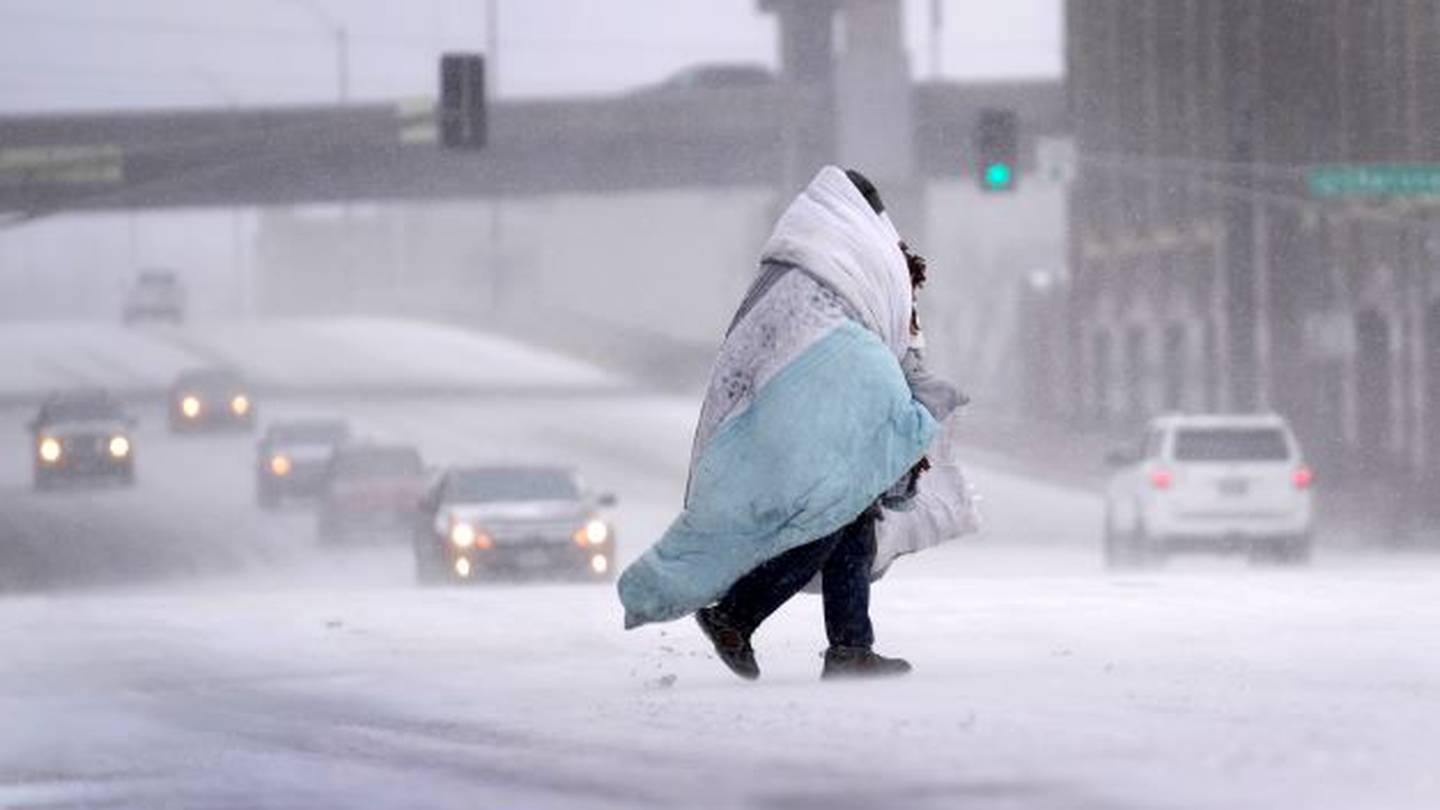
77,54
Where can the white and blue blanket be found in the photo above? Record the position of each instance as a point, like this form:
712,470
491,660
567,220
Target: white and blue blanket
808,417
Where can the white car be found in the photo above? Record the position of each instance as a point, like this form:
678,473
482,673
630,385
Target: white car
1210,483
156,295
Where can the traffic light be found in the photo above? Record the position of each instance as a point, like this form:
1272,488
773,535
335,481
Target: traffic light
997,149
462,101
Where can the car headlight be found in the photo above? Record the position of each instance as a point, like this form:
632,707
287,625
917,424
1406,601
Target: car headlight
464,535
594,533
119,446
240,405
190,405
50,450
280,465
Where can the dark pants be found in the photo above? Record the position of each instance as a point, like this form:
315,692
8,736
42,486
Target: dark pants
843,559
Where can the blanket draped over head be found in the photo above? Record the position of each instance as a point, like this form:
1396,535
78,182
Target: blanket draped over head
807,418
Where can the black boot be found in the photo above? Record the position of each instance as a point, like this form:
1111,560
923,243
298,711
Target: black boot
860,662
731,643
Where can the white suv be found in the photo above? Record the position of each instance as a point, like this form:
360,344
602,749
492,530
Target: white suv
1210,483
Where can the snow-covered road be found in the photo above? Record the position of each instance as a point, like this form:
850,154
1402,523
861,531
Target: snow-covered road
233,664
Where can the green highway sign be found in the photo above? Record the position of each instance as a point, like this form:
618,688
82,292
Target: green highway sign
1375,180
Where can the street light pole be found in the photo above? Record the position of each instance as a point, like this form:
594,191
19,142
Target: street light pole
342,63
937,32
492,47
341,35
239,273
497,207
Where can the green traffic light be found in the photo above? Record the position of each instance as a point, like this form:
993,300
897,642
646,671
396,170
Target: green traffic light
998,175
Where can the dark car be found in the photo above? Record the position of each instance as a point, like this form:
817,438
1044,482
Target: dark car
722,76
369,489
209,399
511,519
82,435
292,458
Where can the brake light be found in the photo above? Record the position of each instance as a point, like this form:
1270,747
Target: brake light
1161,478
1304,477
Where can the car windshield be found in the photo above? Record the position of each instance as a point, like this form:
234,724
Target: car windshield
209,380
379,461
1232,444
79,410
309,433
482,486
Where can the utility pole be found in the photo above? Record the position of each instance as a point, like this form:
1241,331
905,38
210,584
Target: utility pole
492,48
937,30
239,273
340,33
342,63
497,211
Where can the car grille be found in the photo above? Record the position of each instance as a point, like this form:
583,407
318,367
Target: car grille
86,447
530,532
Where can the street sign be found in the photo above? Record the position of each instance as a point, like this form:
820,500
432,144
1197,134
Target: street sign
1375,180
61,165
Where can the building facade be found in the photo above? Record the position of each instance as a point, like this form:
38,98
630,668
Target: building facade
1207,273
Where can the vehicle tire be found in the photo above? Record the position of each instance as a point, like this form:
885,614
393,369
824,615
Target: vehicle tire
127,477
43,482
428,571
1128,550
266,497
1131,549
1290,552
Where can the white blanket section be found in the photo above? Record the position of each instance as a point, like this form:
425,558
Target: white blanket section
945,508
831,231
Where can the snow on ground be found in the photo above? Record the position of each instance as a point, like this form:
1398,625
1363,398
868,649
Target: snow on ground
1041,683
385,354
361,355
42,356
247,667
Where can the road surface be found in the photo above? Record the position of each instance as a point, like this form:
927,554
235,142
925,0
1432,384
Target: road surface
173,646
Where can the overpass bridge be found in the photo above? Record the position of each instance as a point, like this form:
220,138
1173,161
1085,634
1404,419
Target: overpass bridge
288,155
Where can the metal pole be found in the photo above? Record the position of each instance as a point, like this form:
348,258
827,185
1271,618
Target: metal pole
937,26
239,275
496,213
492,47
342,60
341,34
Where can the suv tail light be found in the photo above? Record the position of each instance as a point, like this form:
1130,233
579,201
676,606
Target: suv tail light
1161,478
1304,477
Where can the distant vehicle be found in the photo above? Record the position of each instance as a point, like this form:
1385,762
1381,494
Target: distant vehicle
1210,483
82,434
714,77
482,520
370,488
156,295
293,456
210,399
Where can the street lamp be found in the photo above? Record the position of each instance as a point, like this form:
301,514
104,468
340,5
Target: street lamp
238,272
337,29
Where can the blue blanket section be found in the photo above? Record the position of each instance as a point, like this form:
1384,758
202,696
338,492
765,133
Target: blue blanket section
821,441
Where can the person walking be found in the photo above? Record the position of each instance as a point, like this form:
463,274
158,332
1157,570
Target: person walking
819,411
